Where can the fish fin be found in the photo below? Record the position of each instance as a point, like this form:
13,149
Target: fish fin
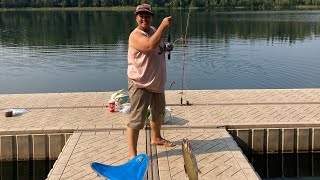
185,170
199,171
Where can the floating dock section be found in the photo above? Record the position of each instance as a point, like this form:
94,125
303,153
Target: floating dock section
77,129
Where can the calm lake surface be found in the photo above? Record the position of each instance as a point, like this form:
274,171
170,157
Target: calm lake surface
286,166
86,51
25,170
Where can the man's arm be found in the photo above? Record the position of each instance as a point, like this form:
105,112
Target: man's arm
145,44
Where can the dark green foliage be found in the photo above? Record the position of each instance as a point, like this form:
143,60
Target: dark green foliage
228,4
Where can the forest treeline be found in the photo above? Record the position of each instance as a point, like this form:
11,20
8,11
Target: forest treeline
257,4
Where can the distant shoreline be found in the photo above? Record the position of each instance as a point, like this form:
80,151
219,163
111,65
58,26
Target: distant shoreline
116,8
130,8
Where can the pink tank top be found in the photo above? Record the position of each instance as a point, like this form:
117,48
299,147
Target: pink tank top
147,70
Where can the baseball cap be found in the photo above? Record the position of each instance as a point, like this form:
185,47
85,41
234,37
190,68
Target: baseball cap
144,8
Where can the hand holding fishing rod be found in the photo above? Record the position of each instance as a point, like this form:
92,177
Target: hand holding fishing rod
167,47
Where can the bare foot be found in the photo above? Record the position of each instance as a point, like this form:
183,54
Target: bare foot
162,142
131,156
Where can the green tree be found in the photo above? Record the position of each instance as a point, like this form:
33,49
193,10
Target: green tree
104,3
5,3
65,3
84,3
96,3
47,3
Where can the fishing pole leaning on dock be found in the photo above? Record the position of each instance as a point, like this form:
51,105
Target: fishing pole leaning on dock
169,47
184,44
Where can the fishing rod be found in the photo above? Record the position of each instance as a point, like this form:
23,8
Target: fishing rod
169,45
184,42
169,38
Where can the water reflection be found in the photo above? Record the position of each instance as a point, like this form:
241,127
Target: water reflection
286,166
86,51
50,28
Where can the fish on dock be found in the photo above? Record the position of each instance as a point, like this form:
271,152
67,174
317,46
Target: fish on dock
190,162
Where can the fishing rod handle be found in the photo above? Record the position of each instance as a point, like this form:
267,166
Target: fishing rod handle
169,54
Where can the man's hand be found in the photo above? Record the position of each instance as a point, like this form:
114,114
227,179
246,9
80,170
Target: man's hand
166,22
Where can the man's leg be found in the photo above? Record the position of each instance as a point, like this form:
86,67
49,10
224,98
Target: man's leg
157,111
133,135
156,131
156,138
139,102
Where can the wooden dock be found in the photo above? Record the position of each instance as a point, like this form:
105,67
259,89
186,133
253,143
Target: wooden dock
98,135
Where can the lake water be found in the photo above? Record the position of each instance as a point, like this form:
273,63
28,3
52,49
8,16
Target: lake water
86,51
286,166
25,170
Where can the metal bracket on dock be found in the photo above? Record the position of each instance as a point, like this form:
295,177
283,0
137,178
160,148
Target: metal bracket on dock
187,103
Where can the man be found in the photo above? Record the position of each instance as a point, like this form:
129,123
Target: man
146,78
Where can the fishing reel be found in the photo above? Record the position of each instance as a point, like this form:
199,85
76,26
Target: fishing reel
169,46
166,47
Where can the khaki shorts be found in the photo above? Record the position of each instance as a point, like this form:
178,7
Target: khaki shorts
140,99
